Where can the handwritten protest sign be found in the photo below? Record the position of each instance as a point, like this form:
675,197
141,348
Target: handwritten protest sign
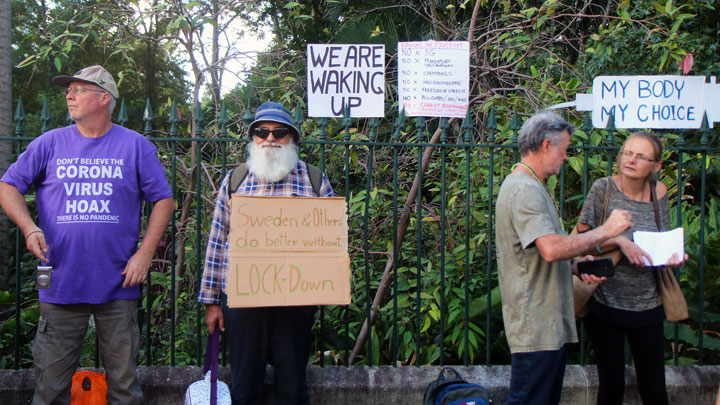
434,78
288,251
346,75
651,101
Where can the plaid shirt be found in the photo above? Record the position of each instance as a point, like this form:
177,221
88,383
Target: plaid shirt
295,184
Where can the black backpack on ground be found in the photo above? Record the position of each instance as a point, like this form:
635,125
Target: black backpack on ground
451,389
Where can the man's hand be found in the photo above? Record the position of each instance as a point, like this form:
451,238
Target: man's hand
35,243
618,222
214,317
14,205
136,269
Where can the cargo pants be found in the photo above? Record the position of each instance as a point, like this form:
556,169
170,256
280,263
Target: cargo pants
58,343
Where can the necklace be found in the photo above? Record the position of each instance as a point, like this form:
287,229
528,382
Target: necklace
532,172
642,197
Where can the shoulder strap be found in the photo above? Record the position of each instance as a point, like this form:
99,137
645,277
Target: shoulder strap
239,173
315,178
653,198
603,214
211,363
237,176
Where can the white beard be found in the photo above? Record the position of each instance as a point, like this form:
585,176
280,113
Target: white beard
272,163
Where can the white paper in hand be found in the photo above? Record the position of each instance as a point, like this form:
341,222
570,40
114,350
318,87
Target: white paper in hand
661,245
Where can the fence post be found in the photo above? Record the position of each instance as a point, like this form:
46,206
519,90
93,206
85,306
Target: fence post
148,117
420,125
467,139
122,115
19,132
587,128
492,127
366,246
704,130
443,125
399,124
515,127
198,119
610,142
173,119
45,116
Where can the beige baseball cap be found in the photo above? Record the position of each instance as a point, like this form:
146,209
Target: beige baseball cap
93,74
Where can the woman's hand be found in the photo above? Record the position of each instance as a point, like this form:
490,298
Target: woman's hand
674,260
632,251
586,278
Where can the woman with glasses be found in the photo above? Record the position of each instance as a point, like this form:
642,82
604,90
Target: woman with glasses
628,305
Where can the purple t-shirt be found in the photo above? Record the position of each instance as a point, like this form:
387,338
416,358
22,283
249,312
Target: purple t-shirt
89,193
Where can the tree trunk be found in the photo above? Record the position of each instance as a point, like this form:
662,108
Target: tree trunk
5,128
386,279
150,68
402,226
215,68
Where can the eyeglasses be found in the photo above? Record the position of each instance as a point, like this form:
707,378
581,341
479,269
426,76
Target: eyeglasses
77,90
278,133
640,158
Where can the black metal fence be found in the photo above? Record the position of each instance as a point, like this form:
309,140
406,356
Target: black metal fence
420,200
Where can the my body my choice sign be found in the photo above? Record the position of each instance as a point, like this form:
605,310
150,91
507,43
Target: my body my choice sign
650,101
287,251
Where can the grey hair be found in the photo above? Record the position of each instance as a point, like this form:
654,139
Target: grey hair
112,103
541,126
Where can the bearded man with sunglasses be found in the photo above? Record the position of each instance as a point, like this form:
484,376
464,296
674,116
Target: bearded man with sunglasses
256,336
90,179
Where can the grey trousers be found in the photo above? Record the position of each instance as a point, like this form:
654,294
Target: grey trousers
58,342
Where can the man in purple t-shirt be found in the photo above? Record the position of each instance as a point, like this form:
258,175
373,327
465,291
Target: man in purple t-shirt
90,180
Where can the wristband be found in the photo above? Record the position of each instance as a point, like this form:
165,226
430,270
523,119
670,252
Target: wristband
598,249
28,235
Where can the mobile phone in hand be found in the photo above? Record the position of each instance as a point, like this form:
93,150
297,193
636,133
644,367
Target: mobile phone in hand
599,267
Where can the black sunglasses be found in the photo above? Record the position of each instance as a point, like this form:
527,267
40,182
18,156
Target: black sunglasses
278,133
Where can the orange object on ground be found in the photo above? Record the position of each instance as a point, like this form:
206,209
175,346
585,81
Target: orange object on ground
88,388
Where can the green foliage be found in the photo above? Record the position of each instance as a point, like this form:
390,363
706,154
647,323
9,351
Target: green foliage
663,33
525,55
429,315
74,34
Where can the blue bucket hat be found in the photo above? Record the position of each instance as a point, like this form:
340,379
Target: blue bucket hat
274,112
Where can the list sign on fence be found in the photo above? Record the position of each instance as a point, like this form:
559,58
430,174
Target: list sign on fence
434,78
288,251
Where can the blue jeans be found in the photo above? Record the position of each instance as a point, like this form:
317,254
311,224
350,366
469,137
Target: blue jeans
537,377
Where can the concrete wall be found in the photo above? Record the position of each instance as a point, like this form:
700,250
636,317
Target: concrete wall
389,385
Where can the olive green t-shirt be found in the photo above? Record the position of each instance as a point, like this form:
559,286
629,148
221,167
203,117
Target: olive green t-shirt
537,296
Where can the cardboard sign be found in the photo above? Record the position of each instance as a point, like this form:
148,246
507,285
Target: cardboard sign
650,101
346,75
287,251
434,78
288,280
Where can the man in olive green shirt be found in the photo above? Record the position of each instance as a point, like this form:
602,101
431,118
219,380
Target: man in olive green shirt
534,267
